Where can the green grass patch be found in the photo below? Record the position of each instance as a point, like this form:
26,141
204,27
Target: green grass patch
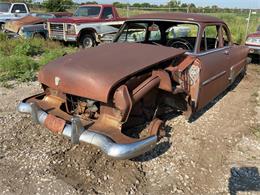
20,59
256,131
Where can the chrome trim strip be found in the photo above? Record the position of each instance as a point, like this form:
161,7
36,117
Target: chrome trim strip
212,51
214,78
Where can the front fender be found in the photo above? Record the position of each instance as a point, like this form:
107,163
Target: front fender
87,30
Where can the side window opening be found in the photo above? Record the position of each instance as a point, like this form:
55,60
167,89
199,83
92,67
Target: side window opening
133,32
182,36
226,37
210,38
107,13
154,33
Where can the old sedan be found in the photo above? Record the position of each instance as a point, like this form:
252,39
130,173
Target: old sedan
114,96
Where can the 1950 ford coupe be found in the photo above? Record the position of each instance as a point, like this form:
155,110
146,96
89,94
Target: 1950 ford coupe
114,96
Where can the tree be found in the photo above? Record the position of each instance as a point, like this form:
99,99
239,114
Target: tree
119,5
57,5
91,2
137,5
184,5
174,3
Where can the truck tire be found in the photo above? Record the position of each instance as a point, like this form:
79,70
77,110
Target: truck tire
87,41
39,36
1,27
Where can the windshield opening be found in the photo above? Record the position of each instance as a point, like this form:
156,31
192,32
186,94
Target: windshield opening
165,33
90,11
4,7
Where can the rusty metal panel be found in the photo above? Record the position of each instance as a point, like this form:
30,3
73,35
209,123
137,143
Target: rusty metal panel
94,72
14,26
54,123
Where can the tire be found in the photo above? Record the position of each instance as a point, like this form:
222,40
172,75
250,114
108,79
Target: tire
1,27
87,41
38,36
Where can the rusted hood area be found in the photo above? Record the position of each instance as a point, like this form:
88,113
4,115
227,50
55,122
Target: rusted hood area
92,73
15,25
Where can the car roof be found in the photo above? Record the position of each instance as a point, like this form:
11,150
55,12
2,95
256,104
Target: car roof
199,18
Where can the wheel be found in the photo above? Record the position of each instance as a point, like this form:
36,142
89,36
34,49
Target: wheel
38,36
1,27
87,41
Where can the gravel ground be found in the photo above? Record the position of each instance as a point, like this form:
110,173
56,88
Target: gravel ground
215,153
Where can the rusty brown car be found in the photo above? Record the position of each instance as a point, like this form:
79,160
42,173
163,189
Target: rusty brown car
114,96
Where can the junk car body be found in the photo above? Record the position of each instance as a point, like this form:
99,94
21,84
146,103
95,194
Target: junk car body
33,25
114,96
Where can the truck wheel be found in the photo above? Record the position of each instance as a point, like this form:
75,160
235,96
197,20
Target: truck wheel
1,27
87,41
38,36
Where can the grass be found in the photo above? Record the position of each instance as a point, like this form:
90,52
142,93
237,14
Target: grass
256,131
20,59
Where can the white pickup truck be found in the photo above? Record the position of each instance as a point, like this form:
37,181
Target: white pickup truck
11,11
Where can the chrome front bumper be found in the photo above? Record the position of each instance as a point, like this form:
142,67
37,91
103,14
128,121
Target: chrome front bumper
77,133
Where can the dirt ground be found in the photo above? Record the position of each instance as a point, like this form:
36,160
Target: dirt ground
218,152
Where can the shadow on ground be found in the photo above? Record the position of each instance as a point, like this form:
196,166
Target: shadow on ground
244,179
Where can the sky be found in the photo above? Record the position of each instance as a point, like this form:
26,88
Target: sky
251,4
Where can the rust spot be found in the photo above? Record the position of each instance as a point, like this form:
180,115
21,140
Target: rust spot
54,123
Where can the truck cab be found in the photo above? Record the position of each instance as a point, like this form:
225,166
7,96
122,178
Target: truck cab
11,11
89,24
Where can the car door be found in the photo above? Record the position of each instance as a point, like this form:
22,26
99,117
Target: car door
237,53
214,59
107,29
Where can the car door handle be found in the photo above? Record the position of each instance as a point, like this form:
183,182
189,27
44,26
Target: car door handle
226,52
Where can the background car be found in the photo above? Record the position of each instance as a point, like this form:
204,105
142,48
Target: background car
253,42
33,25
11,11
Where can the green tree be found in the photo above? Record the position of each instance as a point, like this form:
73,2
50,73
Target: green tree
90,2
57,5
174,3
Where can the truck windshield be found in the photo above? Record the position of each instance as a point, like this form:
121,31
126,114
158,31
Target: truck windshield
4,7
86,11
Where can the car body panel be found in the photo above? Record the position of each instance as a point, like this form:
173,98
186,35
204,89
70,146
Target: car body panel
32,25
94,77
14,26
